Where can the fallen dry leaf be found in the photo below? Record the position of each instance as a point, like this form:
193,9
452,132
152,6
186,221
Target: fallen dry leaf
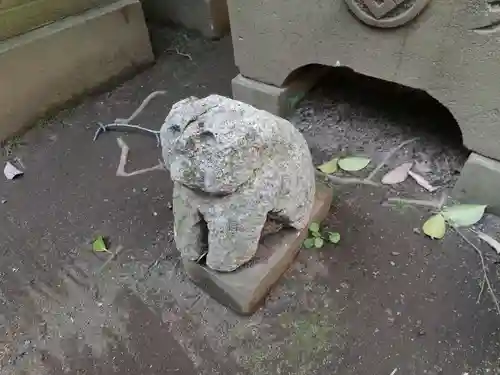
398,174
11,172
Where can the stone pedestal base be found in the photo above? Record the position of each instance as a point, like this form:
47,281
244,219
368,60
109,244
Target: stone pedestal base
244,290
279,101
44,68
479,183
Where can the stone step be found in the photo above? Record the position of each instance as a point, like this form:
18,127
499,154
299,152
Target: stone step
20,16
46,67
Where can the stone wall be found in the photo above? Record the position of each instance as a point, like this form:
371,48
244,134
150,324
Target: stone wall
20,16
44,68
450,49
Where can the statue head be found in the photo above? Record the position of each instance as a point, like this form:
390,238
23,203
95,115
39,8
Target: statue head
207,149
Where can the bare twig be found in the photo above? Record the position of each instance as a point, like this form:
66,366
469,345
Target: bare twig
415,202
347,180
387,157
176,50
111,257
443,200
486,279
20,162
104,128
120,171
125,123
94,289
483,283
143,105
418,202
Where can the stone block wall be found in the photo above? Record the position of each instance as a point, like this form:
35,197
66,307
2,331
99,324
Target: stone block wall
20,16
450,49
66,57
447,48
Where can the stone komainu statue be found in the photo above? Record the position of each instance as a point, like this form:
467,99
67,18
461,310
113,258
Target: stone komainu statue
232,166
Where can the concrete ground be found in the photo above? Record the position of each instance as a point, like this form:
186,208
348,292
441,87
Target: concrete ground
385,299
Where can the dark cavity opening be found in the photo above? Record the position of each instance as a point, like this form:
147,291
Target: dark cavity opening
410,106
203,241
351,113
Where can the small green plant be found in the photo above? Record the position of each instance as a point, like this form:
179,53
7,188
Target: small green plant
99,245
317,237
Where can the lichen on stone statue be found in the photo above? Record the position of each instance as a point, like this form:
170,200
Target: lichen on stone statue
232,166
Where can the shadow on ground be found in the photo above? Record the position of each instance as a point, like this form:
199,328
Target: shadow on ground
385,298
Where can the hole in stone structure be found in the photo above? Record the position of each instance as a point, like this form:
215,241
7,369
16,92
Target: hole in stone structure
272,226
204,241
207,137
350,113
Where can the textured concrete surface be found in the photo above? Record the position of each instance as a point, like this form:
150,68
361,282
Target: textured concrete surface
386,297
479,182
451,50
17,17
49,66
245,289
210,17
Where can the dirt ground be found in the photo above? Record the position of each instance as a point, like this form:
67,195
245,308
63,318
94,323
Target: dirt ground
385,299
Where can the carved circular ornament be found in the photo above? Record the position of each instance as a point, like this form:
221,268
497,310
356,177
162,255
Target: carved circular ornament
386,13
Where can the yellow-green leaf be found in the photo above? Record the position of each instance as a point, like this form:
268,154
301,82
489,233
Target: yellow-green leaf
435,227
353,163
334,237
99,245
464,215
330,166
318,242
314,227
308,243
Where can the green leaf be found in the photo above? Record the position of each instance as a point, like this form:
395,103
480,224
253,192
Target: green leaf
435,227
315,234
309,243
99,245
334,237
314,227
353,163
330,166
463,215
318,242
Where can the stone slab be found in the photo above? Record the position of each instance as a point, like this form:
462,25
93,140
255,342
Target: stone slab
45,68
479,183
451,50
279,101
245,289
210,17
23,16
